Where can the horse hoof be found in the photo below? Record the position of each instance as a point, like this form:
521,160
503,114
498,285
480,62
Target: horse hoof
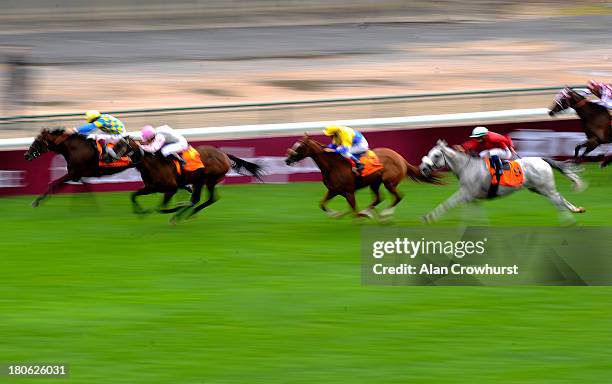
580,186
35,203
580,210
426,219
387,212
334,214
369,213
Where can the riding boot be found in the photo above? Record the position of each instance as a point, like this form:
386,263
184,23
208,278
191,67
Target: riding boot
359,167
178,158
498,166
111,154
104,152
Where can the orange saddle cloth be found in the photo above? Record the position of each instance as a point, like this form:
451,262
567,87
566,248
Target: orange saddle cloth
512,177
122,162
192,160
370,162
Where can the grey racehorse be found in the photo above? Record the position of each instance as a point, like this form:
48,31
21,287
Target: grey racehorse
475,179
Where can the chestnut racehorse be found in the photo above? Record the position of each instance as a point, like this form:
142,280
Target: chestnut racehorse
340,179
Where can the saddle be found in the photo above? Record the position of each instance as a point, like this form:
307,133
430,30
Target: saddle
371,163
512,176
192,159
122,162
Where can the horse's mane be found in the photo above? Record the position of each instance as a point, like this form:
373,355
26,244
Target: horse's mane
56,131
314,141
595,104
53,130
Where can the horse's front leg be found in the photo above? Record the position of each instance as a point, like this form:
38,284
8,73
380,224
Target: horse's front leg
54,186
323,204
350,198
136,208
606,161
590,145
457,198
165,201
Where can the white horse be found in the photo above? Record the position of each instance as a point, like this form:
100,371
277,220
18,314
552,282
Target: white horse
475,179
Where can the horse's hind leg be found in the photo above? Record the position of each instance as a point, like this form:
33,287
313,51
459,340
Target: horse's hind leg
562,205
182,210
392,188
375,187
370,211
210,186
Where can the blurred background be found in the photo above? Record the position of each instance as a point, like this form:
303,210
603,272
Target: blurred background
66,56
263,285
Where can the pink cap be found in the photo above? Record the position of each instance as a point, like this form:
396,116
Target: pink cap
147,132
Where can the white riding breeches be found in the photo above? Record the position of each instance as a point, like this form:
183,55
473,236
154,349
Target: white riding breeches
360,147
179,147
503,153
107,137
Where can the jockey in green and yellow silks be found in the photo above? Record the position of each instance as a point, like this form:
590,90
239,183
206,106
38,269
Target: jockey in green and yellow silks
348,142
111,128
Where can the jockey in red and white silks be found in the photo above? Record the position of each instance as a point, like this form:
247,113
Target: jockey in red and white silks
603,91
491,143
494,146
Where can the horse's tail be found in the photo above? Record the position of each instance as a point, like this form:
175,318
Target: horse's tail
246,168
569,170
415,174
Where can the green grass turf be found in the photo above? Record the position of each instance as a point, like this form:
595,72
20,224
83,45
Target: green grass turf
264,288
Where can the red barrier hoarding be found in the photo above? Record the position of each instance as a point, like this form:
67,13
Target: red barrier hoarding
548,138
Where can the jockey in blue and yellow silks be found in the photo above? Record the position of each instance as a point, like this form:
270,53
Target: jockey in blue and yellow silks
112,130
348,142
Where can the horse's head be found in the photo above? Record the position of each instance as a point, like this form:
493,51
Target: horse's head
41,144
128,147
566,98
303,148
434,159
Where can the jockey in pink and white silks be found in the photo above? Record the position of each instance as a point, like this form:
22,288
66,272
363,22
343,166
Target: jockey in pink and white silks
170,142
603,91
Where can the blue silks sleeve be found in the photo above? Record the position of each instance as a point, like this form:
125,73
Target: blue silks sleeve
87,128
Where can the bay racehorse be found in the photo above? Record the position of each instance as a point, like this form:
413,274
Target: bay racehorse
81,155
595,121
475,179
341,181
160,174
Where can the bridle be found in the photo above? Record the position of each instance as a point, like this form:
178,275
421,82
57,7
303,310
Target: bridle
131,151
